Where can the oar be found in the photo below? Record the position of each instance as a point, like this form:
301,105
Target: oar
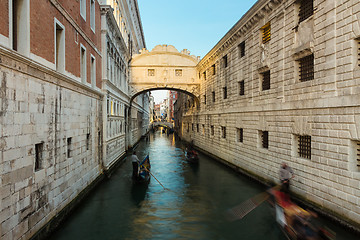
155,178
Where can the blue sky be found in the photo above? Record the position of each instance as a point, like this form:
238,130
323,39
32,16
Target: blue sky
196,25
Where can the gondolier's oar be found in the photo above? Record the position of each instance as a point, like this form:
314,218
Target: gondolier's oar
155,178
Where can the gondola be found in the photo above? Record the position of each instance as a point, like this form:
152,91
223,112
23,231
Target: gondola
143,175
191,156
296,222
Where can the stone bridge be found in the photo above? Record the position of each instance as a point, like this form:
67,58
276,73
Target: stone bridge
164,67
162,124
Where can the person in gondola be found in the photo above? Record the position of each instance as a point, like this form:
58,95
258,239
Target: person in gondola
135,163
286,174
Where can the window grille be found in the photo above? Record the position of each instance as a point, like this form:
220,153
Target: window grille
307,68
240,134
358,153
305,146
242,49
213,96
178,72
39,156
151,72
266,33
306,9
266,80
225,61
242,87
223,132
213,69
212,130
265,139
225,92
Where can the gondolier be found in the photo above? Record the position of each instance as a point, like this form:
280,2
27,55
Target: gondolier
135,163
286,173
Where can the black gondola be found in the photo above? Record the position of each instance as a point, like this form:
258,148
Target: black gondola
143,175
191,156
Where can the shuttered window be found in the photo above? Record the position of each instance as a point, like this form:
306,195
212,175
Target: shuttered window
266,33
305,146
306,9
307,68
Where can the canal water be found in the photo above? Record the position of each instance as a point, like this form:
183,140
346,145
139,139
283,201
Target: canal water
191,207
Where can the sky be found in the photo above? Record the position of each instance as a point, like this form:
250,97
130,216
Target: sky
196,25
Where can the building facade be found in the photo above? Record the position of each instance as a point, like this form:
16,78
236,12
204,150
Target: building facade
54,134
283,86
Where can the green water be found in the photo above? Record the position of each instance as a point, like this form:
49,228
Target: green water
192,207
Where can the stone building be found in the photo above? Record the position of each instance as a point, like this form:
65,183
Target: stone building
53,99
283,85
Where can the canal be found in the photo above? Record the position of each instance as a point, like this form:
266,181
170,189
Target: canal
191,207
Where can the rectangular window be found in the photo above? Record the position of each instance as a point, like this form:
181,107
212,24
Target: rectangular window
92,15
242,88
306,65
264,139
151,72
242,49
212,130
20,26
59,47
188,127
69,150
205,99
204,75
93,71
88,141
266,80
213,69
239,134
83,9
178,72
83,64
203,129
358,154
305,146
197,128
112,108
223,132
306,9
266,33
213,96
225,92
39,148
192,127
358,47
225,61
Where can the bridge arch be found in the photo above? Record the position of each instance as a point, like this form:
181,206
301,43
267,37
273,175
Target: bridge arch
164,67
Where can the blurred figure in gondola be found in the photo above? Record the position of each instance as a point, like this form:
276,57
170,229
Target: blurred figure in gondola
286,173
135,163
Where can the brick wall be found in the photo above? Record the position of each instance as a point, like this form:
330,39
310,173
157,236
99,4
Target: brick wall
4,18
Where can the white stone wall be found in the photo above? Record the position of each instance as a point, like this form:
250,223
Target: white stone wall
34,109
326,108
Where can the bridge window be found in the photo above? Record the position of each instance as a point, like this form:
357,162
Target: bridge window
264,138
266,33
239,134
178,72
212,130
225,92
213,69
266,80
304,147
213,96
39,148
151,72
242,49
225,61
306,65
306,9
242,87
223,132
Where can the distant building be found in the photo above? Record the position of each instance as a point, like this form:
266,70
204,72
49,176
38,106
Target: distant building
172,99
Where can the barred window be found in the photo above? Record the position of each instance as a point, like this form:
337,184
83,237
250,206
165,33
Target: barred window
305,146
306,68
205,99
264,139
266,80
204,74
358,154
242,87
223,132
358,44
212,130
213,69
213,96
39,148
225,61
178,72
88,141
239,134
151,72
242,49
266,33
225,92
306,9
197,127
69,147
